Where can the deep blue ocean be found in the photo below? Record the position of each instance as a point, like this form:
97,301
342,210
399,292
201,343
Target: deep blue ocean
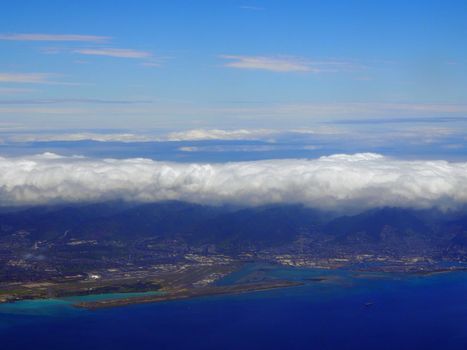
347,310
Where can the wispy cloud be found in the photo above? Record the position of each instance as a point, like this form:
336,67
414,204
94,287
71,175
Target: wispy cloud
8,127
54,37
283,64
275,64
263,135
252,8
28,78
90,51
69,100
151,64
229,148
82,136
33,78
184,115
12,111
406,120
114,52
13,91
342,112
247,148
244,134
219,134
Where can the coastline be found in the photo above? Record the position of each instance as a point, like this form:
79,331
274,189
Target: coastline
183,284
189,294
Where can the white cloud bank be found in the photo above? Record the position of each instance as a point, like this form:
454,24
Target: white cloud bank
336,182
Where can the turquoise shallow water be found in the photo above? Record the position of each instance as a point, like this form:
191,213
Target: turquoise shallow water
97,297
55,307
346,310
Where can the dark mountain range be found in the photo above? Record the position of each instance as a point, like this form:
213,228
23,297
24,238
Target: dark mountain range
380,225
236,229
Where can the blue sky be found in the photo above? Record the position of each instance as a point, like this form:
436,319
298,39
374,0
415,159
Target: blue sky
365,66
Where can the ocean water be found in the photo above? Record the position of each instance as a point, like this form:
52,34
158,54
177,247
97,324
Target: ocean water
333,310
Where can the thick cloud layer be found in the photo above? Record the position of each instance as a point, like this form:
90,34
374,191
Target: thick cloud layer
336,182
